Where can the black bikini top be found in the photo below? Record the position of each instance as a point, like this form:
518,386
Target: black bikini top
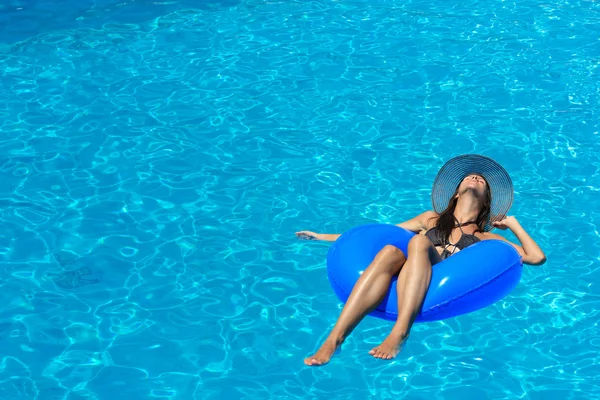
466,239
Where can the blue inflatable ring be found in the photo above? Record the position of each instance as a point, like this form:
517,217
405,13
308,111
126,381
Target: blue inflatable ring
471,279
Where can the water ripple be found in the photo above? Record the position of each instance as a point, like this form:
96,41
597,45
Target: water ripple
156,163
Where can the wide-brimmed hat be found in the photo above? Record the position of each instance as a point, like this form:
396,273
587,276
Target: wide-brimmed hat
456,169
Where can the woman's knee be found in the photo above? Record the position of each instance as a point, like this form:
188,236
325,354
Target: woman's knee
419,243
390,252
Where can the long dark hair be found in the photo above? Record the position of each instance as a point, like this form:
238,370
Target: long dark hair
447,222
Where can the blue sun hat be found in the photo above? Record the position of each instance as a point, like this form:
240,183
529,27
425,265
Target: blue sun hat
456,169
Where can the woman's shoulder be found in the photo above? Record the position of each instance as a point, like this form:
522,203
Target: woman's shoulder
487,235
421,222
430,214
428,219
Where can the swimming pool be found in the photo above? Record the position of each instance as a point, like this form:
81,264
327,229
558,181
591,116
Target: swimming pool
156,161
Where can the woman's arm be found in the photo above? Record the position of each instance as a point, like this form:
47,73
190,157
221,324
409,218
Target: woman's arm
418,223
415,224
530,251
330,237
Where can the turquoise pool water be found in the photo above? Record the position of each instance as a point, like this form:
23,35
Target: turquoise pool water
156,160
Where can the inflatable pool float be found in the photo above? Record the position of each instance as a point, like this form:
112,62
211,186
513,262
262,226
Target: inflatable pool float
471,279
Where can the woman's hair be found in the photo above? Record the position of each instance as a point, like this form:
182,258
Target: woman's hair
446,221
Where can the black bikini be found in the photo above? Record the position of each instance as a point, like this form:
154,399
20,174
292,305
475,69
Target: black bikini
465,240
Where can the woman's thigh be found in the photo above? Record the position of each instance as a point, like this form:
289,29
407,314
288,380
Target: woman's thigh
421,244
389,259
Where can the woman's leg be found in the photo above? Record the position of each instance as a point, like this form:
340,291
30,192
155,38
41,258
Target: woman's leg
412,286
369,290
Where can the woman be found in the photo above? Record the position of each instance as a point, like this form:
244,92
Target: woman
471,195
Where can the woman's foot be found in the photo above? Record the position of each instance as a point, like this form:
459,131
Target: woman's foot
324,354
390,347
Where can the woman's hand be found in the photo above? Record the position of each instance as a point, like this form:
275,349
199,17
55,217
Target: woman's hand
308,235
507,222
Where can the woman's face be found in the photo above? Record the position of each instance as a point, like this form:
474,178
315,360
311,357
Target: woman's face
474,182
